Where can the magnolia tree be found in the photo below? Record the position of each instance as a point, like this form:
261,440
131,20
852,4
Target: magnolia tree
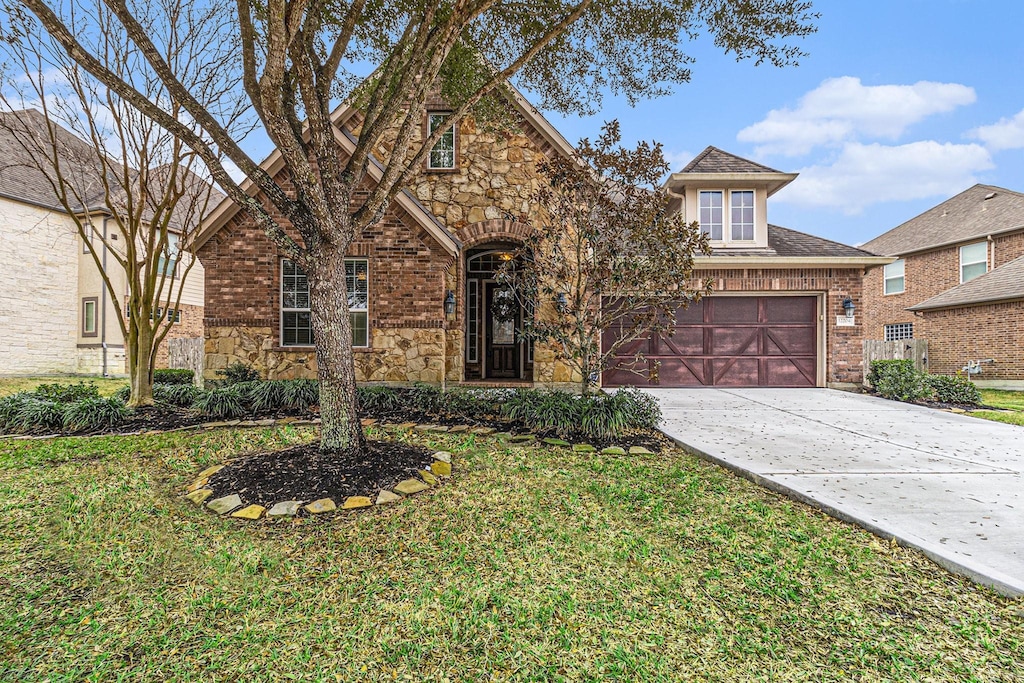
132,189
296,59
609,256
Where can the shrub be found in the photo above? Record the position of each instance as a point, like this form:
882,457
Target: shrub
67,393
300,394
239,372
180,395
425,398
30,413
173,376
378,399
123,394
94,414
642,410
10,407
954,389
898,380
263,397
221,402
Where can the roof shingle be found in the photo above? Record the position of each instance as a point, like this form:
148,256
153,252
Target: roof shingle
714,160
975,213
1001,284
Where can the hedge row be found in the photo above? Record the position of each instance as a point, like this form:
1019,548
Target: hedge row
900,380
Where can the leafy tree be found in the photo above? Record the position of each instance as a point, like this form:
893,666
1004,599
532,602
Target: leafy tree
296,58
610,261
129,186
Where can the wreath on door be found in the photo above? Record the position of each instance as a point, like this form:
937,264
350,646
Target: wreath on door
504,306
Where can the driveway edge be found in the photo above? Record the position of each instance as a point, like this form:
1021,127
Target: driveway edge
997,581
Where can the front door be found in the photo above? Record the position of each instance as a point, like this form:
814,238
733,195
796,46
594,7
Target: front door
501,348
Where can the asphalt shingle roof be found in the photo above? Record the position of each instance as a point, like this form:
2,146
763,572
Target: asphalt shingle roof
1001,284
967,216
787,243
714,160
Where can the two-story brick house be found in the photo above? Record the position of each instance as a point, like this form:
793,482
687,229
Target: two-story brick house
468,210
958,282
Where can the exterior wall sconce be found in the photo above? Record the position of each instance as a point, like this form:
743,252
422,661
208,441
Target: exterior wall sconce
848,307
449,303
560,303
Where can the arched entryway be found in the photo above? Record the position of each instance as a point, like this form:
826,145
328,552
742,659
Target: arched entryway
494,348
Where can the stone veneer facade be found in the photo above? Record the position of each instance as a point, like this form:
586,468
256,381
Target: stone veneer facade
954,335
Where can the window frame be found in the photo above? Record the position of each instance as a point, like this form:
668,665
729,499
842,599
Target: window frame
162,259
700,210
886,278
95,302
282,310
894,331
428,129
964,264
753,216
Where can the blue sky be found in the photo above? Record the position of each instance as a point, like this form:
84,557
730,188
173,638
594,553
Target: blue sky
899,105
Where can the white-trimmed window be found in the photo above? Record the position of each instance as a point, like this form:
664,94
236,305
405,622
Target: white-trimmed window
442,154
168,263
973,260
741,219
897,331
895,277
89,316
711,214
296,320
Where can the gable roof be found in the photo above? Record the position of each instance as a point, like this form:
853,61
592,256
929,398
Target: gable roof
715,166
274,162
792,247
1001,284
23,144
975,213
714,160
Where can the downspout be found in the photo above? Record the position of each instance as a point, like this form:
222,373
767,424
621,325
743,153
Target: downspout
103,300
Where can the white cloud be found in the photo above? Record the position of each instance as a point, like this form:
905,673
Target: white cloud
843,109
1007,133
863,175
677,160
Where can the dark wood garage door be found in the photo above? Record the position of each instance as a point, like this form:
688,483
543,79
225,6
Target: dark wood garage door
764,341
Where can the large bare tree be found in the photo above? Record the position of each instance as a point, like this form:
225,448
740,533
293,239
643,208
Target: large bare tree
296,58
132,189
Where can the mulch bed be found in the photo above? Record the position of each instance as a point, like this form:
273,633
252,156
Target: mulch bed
156,418
304,473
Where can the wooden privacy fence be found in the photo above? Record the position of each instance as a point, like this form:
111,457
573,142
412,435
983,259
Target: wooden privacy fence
187,353
904,349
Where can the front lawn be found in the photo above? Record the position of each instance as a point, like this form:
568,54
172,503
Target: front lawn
106,385
1010,402
530,564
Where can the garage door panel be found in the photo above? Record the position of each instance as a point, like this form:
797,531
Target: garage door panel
790,372
790,341
728,341
734,341
790,309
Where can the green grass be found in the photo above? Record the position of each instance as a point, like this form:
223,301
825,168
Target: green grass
106,385
1011,403
530,565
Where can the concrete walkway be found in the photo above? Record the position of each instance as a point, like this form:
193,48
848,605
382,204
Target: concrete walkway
950,485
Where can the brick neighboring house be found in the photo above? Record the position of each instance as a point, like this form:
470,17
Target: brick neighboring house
468,210
55,312
958,283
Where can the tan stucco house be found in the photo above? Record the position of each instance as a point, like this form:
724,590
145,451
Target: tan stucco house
957,282
771,321
56,314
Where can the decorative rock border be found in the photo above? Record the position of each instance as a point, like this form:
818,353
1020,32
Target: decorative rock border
232,504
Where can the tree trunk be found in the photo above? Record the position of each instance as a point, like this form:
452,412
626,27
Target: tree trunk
328,300
140,365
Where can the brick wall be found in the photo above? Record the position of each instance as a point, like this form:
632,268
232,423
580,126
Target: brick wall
844,345
995,331
191,325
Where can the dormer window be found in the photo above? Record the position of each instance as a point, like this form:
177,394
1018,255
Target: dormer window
711,215
741,205
442,154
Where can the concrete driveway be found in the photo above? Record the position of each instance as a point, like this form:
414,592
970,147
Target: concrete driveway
949,485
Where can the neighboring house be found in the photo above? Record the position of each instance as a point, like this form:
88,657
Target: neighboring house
958,282
469,209
55,312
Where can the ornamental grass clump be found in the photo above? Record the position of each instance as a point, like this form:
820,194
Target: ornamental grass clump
221,402
299,394
94,414
179,395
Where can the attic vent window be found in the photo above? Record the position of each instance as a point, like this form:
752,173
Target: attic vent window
990,195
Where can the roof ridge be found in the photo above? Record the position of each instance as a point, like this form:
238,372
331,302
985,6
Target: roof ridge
689,168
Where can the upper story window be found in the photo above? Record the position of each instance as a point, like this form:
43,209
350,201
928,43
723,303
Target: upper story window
296,318
973,260
895,280
711,215
168,263
89,316
741,205
442,154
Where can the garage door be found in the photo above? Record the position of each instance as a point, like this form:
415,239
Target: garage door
764,341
